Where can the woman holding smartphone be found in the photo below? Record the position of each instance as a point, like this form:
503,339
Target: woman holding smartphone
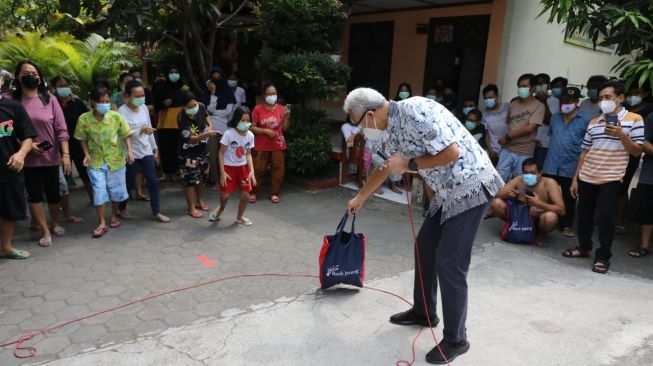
50,148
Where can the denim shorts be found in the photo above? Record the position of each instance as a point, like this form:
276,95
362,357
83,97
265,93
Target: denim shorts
108,185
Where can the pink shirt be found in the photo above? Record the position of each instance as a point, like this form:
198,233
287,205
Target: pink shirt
50,125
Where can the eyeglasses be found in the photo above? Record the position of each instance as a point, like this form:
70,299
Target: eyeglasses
363,116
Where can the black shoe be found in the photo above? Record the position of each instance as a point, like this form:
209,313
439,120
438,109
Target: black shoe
411,318
450,351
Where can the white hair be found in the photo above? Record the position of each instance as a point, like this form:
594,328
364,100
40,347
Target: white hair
360,100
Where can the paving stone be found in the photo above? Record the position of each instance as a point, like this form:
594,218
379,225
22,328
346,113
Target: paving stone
37,322
144,327
57,294
48,307
52,345
80,298
8,332
153,312
74,349
116,337
27,302
111,290
209,309
88,334
14,316
71,312
179,318
105,302
121,323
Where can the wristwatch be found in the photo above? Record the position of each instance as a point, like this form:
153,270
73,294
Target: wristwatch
412,165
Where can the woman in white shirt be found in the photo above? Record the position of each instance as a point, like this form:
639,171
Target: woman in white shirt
220,105
144,145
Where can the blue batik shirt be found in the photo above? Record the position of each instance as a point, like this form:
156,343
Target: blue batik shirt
566,144
420,126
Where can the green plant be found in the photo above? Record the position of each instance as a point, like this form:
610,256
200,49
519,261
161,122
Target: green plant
61,53
628,25
308,142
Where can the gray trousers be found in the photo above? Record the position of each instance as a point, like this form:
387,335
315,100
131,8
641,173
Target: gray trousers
445,251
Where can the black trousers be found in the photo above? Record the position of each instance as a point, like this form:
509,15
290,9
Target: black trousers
589,197
570,202
167,142
445,251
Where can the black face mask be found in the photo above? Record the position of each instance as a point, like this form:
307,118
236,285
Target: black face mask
29,81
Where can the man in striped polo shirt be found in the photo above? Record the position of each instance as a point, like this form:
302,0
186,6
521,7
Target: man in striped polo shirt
607,147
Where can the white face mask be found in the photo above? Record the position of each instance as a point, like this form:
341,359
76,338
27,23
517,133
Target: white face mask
373,134
608,106
567,108
271,99
634,100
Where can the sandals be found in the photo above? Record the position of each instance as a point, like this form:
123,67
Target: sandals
601,266
58,231
195,214
576,252
45,241
99,232
161,218
125,215
244,221
275,198
214,216
74,220
619,229
115,224
16,254
202,207
143,198
639,252
568,232
252,198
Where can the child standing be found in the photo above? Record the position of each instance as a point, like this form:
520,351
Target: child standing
236,166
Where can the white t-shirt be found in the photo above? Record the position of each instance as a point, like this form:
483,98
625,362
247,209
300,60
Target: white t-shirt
142,144
241,99
237,147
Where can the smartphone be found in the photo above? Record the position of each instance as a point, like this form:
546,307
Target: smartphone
529,193
613,120
44,146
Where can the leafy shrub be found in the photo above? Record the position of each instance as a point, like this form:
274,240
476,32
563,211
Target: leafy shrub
309,141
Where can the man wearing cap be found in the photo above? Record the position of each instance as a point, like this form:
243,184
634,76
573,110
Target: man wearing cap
568,128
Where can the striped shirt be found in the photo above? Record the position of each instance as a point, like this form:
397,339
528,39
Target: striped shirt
607,158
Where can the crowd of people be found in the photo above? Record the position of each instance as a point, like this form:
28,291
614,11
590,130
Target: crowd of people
559,155
555,154
120,141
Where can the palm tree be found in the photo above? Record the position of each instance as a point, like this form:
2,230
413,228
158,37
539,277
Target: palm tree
62,54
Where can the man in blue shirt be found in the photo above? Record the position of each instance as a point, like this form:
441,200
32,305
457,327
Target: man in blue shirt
567,131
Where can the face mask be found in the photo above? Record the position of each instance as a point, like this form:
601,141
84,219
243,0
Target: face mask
271,99
139,102
470,125
633,100
29,81
103,108
404,95
174,77
243,126
431,96
193,111
64,92
524,92
139,80
466,110
608,106
567,108
232,83
372,134
538,89
592,93
490,103
530,179
556,92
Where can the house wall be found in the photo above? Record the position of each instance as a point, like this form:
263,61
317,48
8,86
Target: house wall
532,45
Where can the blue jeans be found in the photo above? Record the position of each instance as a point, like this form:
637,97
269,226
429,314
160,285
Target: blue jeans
509,165
148,165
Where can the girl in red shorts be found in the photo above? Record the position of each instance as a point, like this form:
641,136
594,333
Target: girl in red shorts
236,167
